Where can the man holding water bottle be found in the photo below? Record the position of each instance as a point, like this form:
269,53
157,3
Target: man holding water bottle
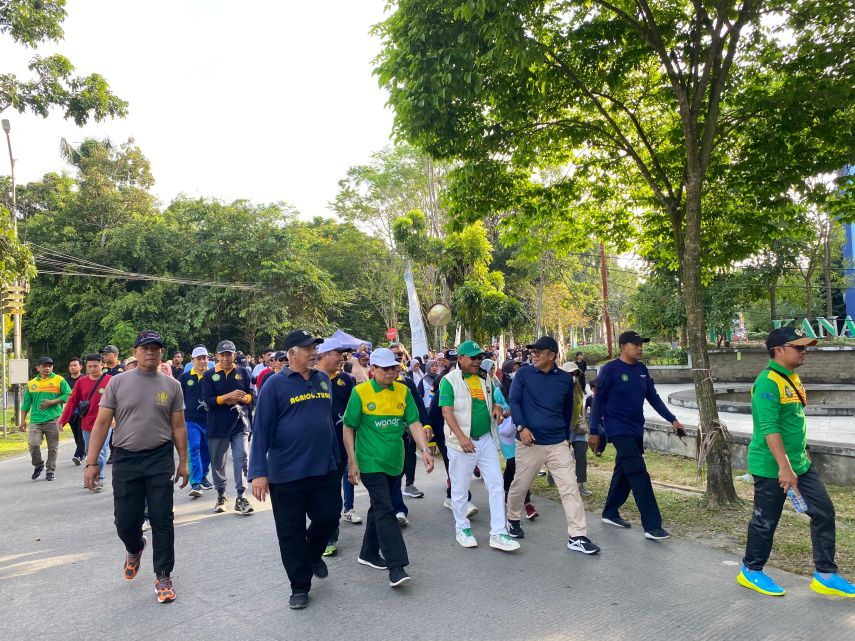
778,460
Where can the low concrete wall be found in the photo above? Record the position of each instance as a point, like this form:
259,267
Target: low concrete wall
829,365
835,462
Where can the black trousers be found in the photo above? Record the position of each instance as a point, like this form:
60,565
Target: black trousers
630,474
382,532
769,502
580,453
77,432
409,459
319,499
139,479
508,478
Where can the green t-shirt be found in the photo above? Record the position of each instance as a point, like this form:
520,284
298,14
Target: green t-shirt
777,409
45,389
480,411
379,416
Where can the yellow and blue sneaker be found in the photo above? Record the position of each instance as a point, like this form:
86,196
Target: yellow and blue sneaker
759,581
835,585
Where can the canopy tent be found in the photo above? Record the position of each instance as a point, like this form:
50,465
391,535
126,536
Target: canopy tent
348,341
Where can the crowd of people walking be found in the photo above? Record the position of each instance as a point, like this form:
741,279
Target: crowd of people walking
308,423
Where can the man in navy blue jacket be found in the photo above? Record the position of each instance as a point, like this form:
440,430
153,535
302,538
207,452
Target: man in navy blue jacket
295,458
622,387
226,390
542,408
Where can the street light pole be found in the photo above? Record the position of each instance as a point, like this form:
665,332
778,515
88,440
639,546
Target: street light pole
16,318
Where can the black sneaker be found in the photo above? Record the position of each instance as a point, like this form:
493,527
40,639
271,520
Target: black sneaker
658,534
515,530
582,544
298,601
376,562
319,569
75,460
221,504
397,577
37,472
242,505
50,476
617,522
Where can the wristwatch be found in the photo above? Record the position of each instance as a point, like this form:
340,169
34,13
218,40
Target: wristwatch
520,428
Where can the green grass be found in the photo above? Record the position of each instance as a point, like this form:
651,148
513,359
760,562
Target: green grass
15,442
686,514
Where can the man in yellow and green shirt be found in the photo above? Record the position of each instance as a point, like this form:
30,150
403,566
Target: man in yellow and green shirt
778,460
375,418
43,400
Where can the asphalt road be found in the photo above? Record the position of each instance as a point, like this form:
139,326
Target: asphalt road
60,579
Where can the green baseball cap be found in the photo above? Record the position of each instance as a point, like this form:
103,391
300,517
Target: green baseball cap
470,348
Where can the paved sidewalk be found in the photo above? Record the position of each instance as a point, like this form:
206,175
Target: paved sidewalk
60,579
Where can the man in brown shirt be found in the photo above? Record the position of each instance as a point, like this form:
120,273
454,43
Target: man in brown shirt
149,413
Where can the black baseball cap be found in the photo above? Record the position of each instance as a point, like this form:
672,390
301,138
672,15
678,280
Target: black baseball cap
226,346
45,360
631,337
147,337
280,356
787,336
110,349
451,355
544,342
300,338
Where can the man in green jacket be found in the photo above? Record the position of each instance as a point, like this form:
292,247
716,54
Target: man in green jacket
43,398
778,460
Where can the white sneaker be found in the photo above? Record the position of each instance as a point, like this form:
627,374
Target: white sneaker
503,542
447,503
402,519
471,510
352,517
465,538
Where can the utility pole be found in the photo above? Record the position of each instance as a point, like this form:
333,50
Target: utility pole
16,317
606,318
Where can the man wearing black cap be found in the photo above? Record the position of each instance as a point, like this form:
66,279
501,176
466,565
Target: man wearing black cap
622,387
778,460
295,459
112,365
542,409
149,413
44,395
226,391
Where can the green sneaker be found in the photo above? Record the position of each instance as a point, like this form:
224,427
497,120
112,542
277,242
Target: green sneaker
330,550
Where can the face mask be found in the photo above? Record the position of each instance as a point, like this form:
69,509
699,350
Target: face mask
511,375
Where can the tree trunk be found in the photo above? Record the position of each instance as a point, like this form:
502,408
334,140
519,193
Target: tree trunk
720,489
773,299
826,272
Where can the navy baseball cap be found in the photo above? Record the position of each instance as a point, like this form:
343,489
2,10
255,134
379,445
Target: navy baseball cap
544,342
300,338
147,337
631,337
787,336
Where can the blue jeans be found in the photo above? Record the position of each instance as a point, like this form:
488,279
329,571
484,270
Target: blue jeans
200,458
102,455
347,488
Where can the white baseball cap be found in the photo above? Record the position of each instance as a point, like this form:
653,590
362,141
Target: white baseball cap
383,357
329,345
199,351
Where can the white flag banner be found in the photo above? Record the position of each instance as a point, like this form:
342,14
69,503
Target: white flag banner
419,345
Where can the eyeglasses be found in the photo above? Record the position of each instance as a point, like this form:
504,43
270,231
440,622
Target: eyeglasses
798,348
390,369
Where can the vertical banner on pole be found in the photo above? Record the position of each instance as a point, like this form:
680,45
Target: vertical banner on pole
417,327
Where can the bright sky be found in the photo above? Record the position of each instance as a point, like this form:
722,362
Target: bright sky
267,100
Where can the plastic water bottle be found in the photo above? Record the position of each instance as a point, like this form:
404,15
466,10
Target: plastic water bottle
798,503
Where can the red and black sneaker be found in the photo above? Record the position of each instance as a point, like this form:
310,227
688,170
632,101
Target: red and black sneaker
531,512
132,562
163,588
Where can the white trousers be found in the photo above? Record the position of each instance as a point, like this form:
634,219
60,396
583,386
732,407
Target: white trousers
460,468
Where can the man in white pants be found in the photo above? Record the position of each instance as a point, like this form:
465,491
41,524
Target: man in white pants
467,406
